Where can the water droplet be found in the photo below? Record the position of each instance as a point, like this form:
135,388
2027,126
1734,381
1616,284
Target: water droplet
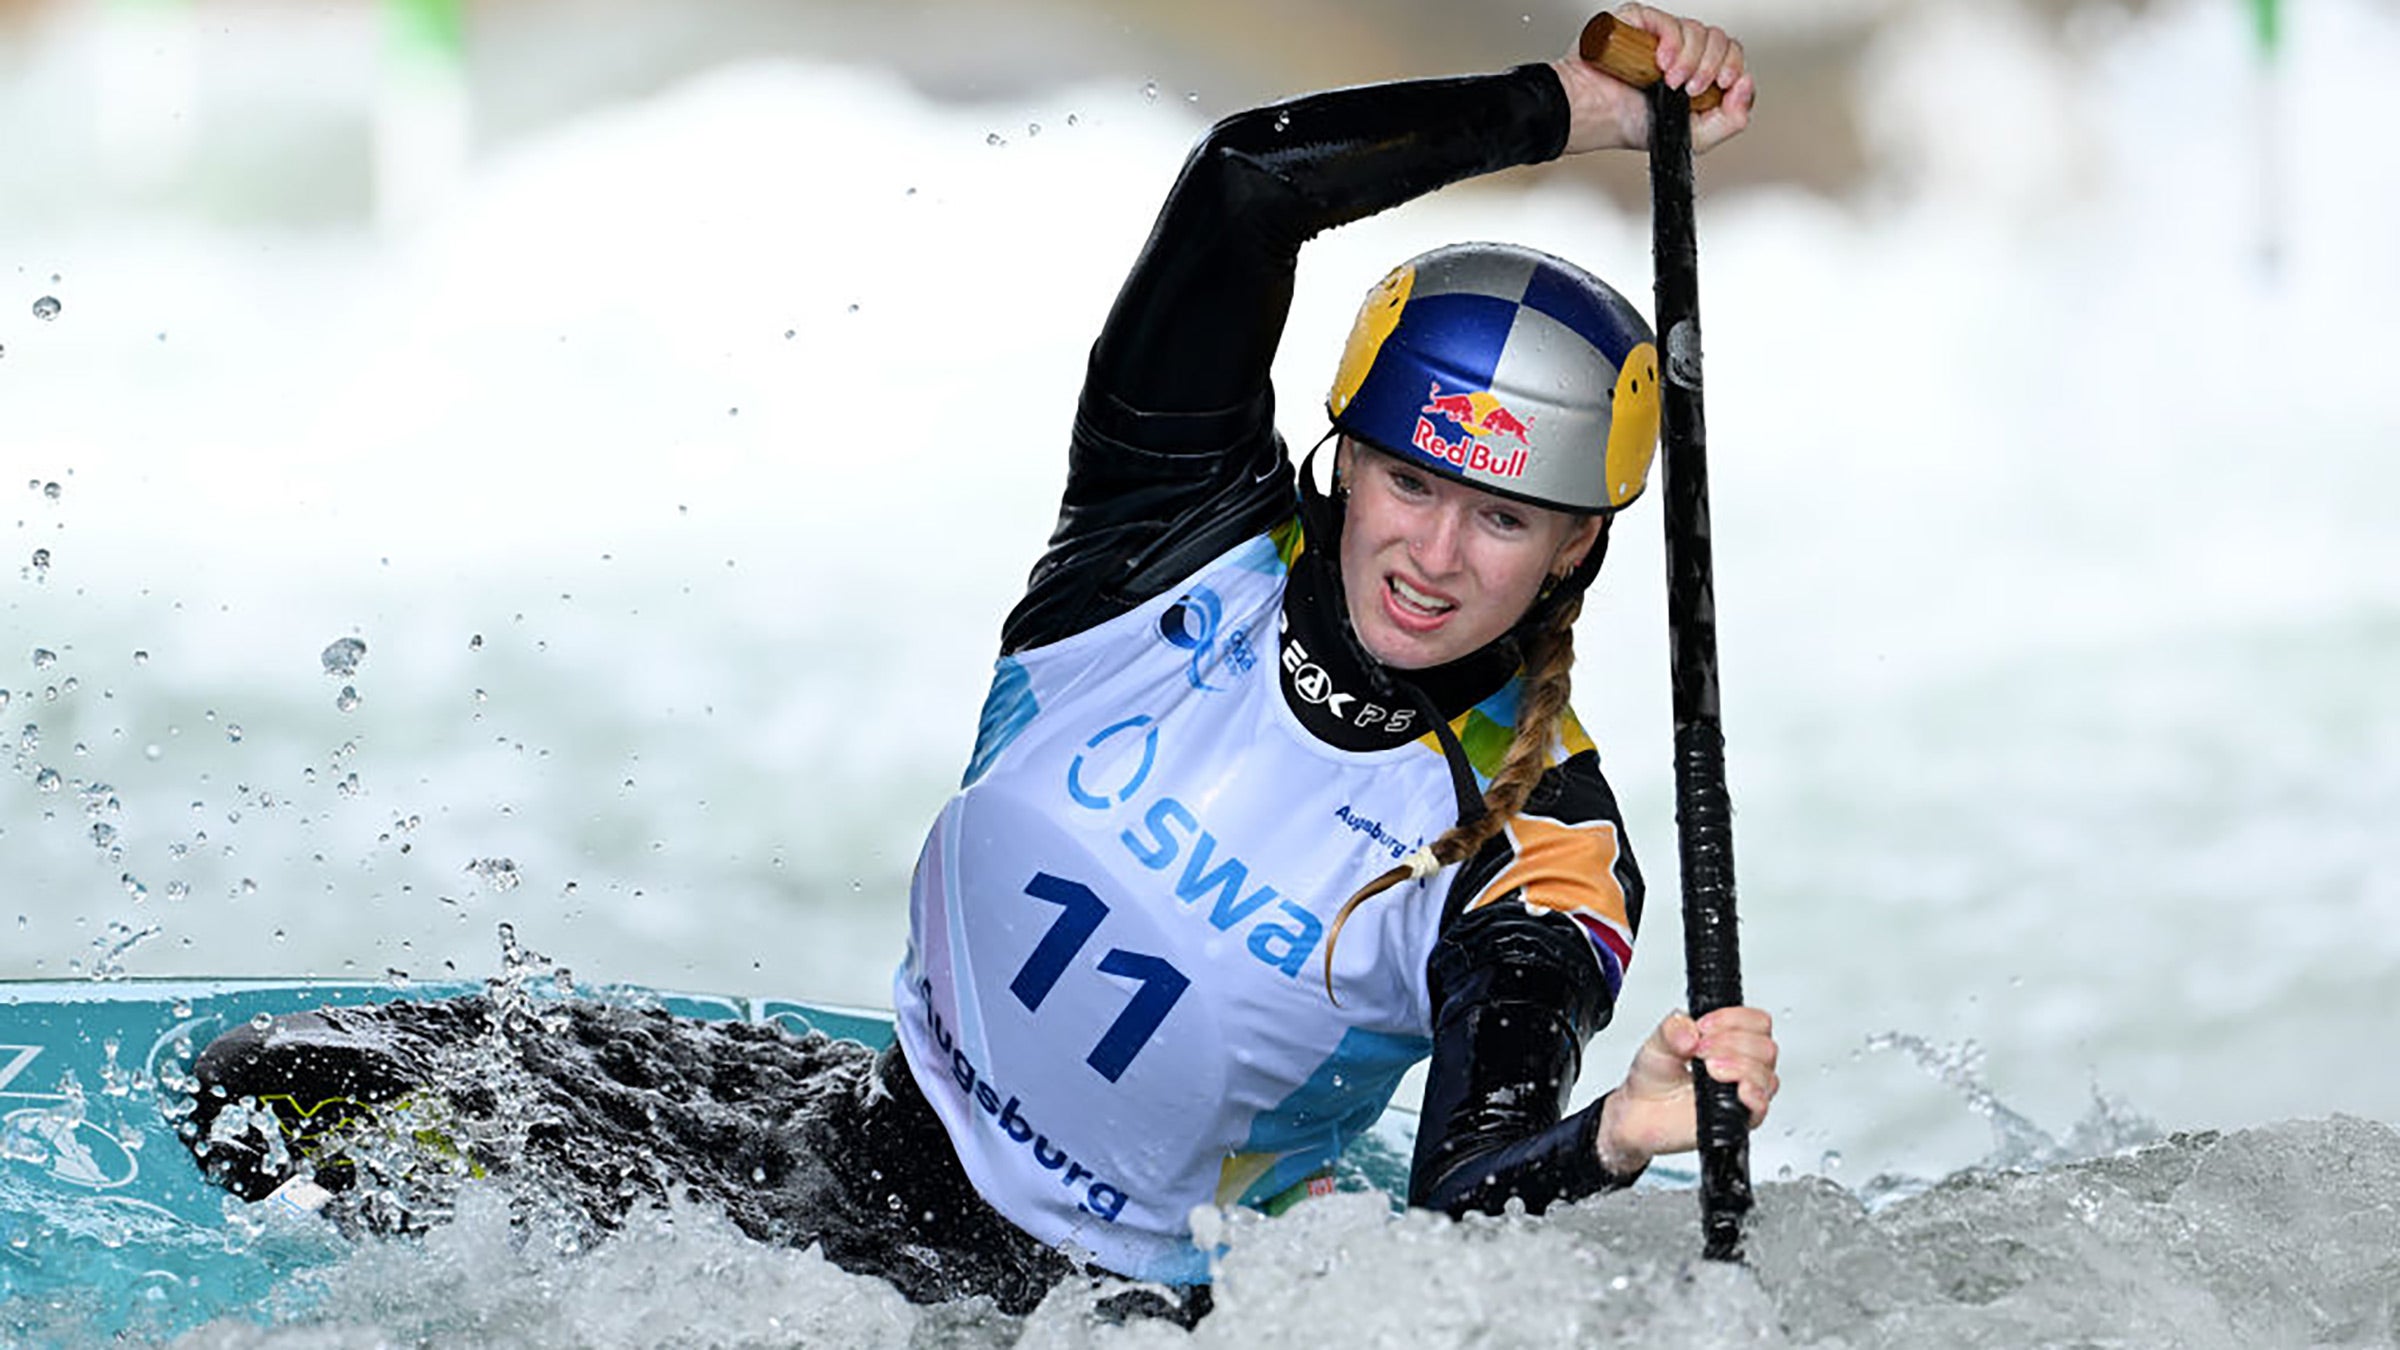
1033,129
342,655
47,307
47,780
52,490
497,874
1283,121
1192,97
854,307
1150,90
1072,119
44,658
41,560
1831,1162
30,739
995,139
233,732
347,700
141,658
262,1021
152,752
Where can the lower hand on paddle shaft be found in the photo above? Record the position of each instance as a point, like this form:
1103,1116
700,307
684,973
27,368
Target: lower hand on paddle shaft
1652,1112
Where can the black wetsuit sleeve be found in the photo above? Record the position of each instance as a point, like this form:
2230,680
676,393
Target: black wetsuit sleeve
1517,991
1174,457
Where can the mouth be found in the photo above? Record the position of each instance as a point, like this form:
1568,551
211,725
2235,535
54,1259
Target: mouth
1413,608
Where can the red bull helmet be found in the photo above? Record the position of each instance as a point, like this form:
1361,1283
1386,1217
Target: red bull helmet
1506,369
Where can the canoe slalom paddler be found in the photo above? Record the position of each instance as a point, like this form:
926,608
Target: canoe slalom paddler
1276,792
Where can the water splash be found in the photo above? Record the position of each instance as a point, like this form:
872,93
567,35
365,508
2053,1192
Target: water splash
2017,1142
2202,1240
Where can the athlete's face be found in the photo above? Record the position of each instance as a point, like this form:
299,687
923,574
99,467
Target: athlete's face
1435,569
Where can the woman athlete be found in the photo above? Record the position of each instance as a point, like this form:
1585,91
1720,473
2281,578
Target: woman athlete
1275,793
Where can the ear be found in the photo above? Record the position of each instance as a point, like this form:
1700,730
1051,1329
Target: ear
1576,547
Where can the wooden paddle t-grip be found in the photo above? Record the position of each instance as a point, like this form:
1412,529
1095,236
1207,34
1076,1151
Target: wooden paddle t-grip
1630,56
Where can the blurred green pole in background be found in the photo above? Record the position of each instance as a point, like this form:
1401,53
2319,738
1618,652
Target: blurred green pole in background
2267,21
421,114
430,31
2266,24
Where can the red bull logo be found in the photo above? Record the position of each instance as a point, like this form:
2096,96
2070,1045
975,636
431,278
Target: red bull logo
1478,414
1473,415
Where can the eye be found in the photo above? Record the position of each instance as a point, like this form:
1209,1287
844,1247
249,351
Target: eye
1505,521
1407,482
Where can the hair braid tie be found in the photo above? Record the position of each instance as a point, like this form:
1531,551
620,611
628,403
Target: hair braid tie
1548,661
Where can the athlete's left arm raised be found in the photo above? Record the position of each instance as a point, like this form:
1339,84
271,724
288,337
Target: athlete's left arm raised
1174,456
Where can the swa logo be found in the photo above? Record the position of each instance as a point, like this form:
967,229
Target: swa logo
1193,623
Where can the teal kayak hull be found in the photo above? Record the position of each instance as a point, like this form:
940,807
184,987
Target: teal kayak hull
106,1223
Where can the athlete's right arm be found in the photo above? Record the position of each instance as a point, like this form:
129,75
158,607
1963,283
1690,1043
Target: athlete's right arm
1174,456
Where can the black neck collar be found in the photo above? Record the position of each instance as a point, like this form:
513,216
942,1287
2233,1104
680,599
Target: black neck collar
1345,697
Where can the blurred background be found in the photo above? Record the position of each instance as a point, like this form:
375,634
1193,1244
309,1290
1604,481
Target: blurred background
564,463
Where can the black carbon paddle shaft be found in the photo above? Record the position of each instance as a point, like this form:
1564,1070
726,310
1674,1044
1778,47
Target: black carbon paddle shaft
1703,809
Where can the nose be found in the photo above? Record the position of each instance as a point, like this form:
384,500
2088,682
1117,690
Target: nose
1434,544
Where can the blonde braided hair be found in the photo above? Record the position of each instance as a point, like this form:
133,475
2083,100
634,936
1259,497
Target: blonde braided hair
1549,661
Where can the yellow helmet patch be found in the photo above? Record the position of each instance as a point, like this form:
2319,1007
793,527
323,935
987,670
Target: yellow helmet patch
1633,424
1377,318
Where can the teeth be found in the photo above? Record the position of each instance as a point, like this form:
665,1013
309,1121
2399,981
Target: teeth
1419,598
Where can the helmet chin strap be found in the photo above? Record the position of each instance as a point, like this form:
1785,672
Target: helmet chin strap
1566,588
1321,521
